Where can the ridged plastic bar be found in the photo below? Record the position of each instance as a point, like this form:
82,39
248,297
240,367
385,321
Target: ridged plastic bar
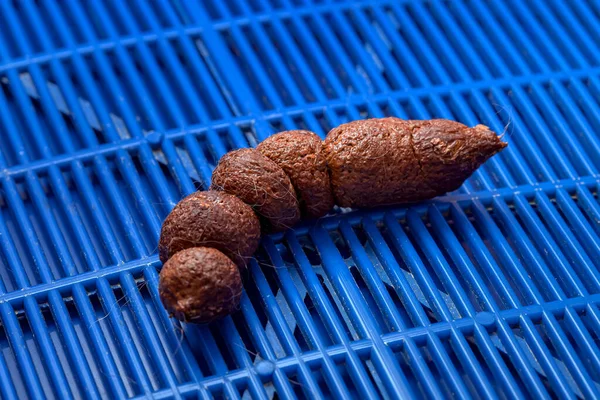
111,111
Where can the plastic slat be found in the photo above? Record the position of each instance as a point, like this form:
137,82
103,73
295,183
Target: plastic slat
326,310
581,121
10,323
31,307
517,31
212,356
379,291
527,142
553,27
342,281
453,285
466,267
580,15
580,260
216,47
549,364
304,318
283,333
410,258
84,369
297,58
102,352
581,227
57,122
434,342
509,259
184,183
281,381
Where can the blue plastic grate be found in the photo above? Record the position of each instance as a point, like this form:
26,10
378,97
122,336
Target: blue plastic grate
110,112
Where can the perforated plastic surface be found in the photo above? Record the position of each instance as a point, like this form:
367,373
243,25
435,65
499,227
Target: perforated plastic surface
110,112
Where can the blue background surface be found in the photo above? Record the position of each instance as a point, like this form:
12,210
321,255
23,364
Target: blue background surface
111,112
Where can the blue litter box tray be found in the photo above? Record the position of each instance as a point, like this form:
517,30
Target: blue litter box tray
112,112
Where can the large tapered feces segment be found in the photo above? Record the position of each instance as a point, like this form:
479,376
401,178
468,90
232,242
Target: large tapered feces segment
386,161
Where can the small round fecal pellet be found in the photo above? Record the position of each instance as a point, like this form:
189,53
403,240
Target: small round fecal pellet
262,184
300,155
212,219
199,285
